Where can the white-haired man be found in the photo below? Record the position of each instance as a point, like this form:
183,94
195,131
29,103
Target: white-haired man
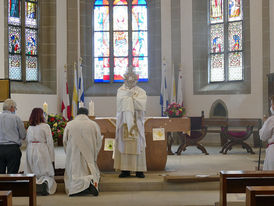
12,132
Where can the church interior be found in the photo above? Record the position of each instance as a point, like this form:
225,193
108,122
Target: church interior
216,56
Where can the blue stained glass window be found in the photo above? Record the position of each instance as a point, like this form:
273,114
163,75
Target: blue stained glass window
226,41
101,2
30,36
126,49
139,2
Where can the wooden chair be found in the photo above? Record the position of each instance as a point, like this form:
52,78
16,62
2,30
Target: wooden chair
259,195
6,198
197,133
236,138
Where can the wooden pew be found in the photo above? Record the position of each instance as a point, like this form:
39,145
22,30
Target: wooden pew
20,185
237,181
259,195
6,198
214,126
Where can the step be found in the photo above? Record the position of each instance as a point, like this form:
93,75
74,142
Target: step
152,182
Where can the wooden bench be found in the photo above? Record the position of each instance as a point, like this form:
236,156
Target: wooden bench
20,185
237,181
6,198
259,195
234,124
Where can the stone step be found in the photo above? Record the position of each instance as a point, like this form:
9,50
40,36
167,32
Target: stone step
152,182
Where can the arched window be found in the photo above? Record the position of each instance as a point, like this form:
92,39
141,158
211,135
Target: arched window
226,41
23,39
119,39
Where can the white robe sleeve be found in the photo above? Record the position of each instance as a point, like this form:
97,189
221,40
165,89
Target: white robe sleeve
65,138
267,130
50,143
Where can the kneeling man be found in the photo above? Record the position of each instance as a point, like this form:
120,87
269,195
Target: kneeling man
82,142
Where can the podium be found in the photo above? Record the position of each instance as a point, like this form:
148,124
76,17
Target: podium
156,151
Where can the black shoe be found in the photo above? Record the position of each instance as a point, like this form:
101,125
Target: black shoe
140,174
124,174
93,190
41,189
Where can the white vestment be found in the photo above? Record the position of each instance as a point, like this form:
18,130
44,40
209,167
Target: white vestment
82,143
40,155
267,134
130,142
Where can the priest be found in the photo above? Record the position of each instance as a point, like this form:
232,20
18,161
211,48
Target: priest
130,142
82,143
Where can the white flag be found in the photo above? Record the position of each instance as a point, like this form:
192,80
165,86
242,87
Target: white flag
65,98
180,95
164,93
173,87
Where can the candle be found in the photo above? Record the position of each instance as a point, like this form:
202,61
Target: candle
45,107
81,104
91,108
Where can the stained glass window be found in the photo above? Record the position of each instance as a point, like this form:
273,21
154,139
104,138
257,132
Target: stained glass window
217,38
31,41
119,43
31,68
14,12
14,40
31,14
23,57
226,41
15,67
216,11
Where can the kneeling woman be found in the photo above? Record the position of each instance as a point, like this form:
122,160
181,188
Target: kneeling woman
40,153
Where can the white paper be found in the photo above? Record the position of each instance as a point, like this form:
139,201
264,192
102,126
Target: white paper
109,144
158,134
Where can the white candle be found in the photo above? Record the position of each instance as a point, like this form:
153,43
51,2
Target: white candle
81,104
91,108
45,107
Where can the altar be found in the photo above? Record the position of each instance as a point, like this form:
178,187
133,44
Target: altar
156,148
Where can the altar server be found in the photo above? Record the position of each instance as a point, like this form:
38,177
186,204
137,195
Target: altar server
40,153
267,134
82,143
130,142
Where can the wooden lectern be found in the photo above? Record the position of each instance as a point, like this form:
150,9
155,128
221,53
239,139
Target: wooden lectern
156,151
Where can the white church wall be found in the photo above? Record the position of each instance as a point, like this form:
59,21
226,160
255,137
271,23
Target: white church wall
239,105
26,102
2,39
106,106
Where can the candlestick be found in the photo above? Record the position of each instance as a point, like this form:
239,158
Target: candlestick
91,108
45,107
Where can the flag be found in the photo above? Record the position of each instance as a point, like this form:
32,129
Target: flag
173,87
180,95
74,95
81,96
65,109
164,94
